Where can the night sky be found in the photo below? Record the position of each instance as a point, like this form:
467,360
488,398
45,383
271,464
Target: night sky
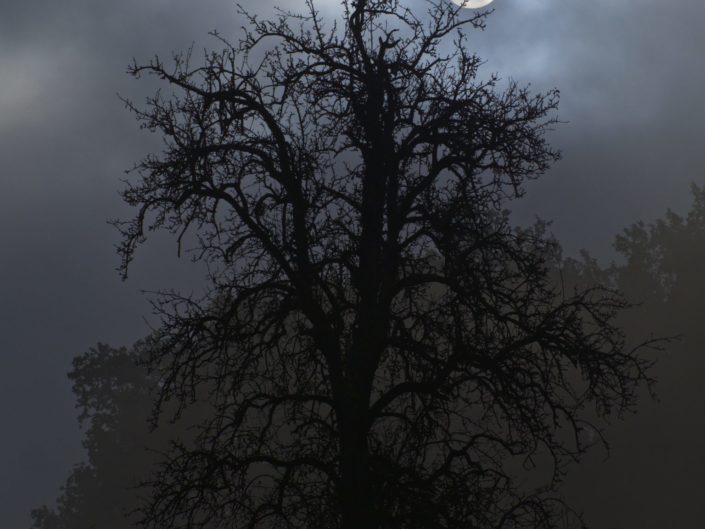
631,75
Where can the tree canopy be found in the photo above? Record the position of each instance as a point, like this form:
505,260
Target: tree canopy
378,343
115,394
114,398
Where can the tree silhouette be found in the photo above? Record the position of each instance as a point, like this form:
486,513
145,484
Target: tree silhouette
114,398
663,267
660,269
380,346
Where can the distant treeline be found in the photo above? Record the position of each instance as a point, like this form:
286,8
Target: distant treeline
660,270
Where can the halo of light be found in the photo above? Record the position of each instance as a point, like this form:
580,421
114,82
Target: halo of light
472,4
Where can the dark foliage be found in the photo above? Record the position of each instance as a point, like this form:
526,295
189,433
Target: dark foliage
114,399
114,396
661,269
381,347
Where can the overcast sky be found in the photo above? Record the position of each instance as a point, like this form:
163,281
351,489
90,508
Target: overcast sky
631,74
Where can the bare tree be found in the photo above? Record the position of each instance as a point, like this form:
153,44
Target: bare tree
379,343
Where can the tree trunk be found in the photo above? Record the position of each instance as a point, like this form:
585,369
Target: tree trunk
355,492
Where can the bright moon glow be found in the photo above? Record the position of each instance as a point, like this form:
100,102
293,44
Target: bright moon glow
472,4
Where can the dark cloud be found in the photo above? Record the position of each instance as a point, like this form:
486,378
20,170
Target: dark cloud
630,73
630,80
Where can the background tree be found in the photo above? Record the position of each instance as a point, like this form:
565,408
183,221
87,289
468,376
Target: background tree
663,269
114,397
378,343
659,268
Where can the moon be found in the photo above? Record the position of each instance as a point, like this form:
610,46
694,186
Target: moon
472,4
